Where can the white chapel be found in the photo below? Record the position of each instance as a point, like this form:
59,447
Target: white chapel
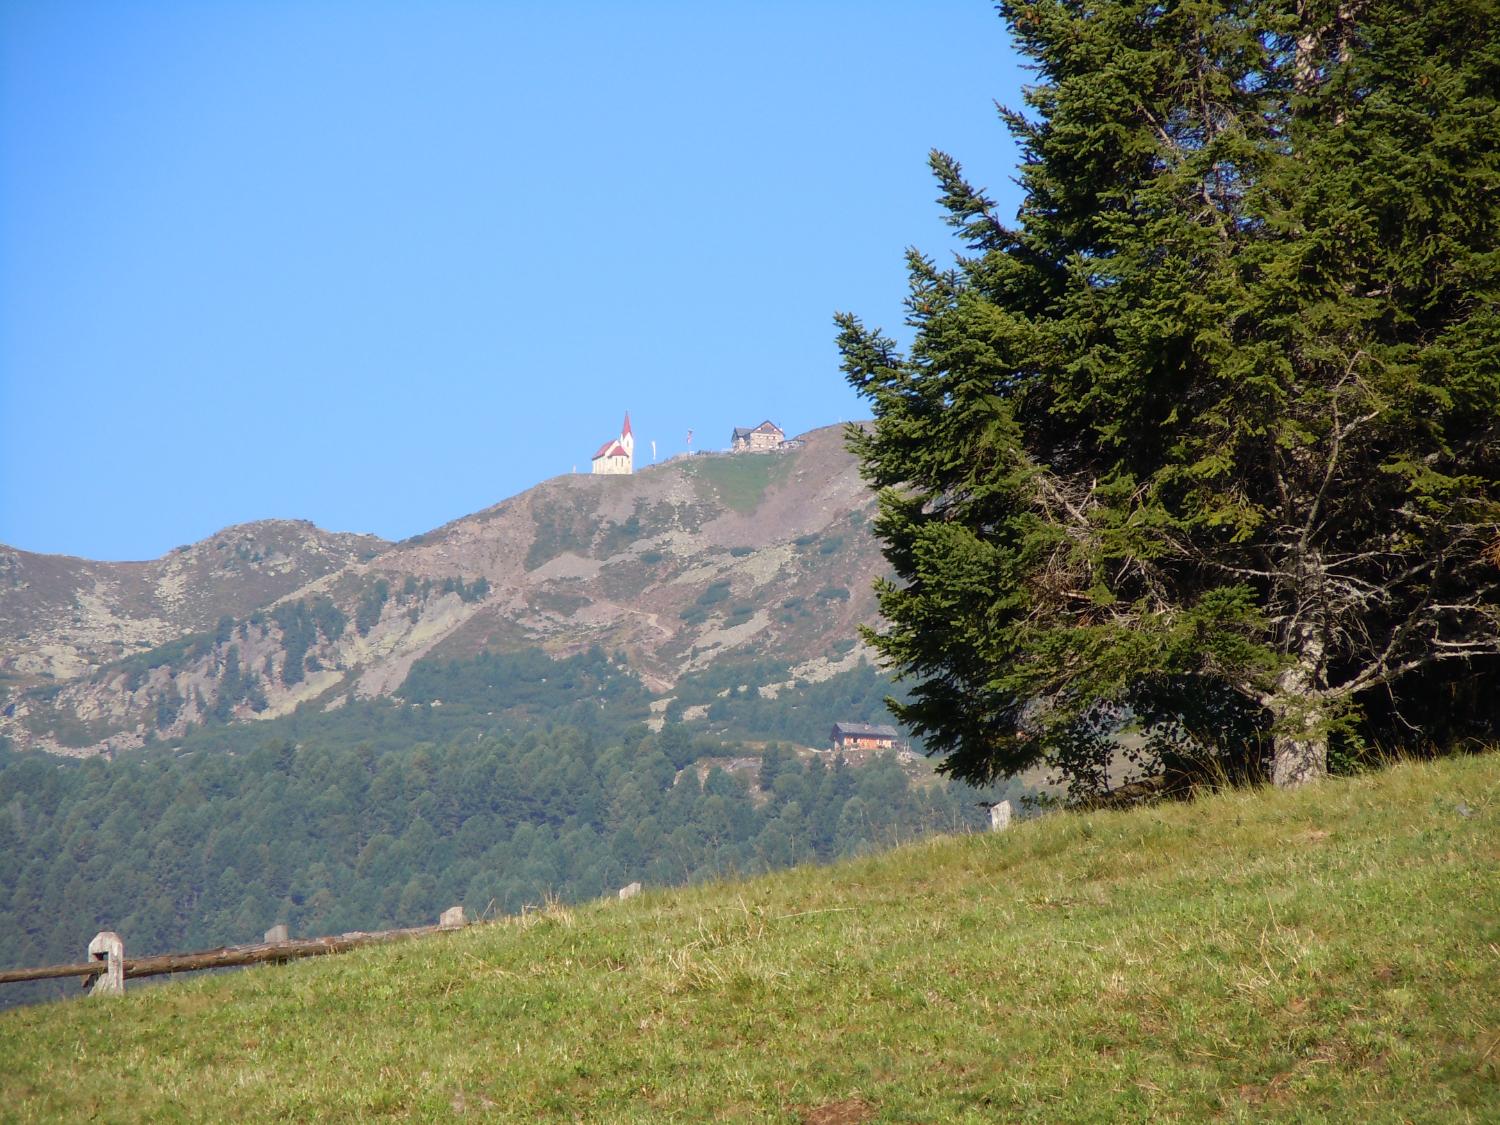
617,455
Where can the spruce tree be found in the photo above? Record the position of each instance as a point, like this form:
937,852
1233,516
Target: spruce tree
1211,433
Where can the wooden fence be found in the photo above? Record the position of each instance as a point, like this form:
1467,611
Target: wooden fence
107,967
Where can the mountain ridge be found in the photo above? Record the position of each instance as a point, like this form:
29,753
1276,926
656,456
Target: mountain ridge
143,603
674,568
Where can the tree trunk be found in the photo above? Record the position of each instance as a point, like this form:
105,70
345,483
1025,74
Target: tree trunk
1299,743
1296,761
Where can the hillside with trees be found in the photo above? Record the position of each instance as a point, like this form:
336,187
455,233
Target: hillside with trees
530,781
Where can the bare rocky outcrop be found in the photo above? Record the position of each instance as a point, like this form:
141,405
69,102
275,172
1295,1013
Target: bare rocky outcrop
61,617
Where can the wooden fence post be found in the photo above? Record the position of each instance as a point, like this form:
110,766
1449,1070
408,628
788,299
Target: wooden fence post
108,947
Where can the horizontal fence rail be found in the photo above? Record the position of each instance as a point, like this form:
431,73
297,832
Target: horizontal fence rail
47,972
108,968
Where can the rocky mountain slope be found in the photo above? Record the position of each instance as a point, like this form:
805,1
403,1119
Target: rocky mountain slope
61,617
684,564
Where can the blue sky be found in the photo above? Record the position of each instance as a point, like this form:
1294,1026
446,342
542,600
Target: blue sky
379,265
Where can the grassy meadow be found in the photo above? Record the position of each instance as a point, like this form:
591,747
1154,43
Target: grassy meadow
1326,954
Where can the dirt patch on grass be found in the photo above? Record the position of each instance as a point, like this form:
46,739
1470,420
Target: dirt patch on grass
849,1111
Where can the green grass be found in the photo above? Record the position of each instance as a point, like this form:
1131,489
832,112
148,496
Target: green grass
740,480
1328,954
